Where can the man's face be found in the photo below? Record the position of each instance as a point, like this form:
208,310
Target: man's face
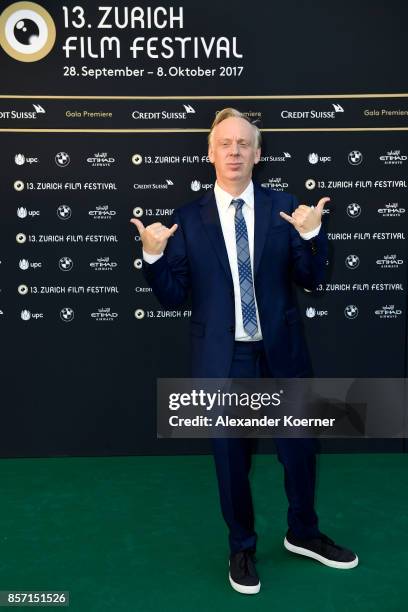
233,150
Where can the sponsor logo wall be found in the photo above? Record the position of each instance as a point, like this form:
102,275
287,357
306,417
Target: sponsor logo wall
75,312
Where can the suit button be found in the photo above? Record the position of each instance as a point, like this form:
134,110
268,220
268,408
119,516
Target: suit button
231,329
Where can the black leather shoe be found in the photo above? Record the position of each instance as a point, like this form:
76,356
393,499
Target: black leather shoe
322,549
242,573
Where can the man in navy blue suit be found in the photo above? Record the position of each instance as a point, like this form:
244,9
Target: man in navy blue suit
238,250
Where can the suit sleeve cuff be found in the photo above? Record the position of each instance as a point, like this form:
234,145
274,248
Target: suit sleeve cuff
311,234
151,259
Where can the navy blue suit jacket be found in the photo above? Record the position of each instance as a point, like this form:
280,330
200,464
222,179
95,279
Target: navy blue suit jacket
196,260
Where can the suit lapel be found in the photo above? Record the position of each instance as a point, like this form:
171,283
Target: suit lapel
212,225
262,211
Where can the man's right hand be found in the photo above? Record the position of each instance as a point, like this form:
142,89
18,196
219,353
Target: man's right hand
154,237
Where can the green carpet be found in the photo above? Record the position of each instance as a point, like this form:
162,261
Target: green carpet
146,534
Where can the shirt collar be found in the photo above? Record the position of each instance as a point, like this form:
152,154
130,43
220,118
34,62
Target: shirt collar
224,198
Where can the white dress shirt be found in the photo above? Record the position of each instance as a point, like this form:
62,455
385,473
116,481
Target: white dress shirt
226,212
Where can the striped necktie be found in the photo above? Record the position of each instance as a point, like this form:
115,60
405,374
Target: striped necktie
244,270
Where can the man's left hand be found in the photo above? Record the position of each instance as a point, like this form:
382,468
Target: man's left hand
306,218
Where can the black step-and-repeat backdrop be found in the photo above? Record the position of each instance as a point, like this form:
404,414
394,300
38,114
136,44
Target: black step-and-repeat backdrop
104,114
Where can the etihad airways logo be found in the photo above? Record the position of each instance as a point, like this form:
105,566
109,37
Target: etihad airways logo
104,314
276,183
393,158
102,213
103,264
391,209
313,113
101,160
389,311
389,261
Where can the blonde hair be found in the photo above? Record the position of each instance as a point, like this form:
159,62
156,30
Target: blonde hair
225,113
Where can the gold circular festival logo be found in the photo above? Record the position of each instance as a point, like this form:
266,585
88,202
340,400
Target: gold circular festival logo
27,31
